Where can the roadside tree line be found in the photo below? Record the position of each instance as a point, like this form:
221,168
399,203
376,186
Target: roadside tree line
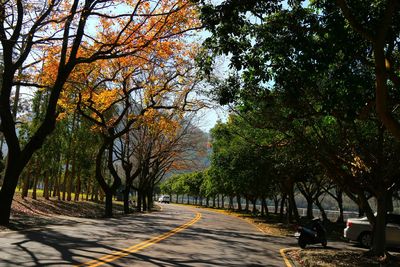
317,84
248,172
95,95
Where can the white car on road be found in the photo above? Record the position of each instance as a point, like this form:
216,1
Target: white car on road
360,230
164,199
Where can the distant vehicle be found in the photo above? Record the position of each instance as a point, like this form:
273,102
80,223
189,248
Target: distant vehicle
164,199
360,230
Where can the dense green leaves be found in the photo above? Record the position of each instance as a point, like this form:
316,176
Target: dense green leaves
313,73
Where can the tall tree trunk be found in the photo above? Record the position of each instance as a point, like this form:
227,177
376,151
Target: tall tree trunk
25,185
264,201
78,186
310,214
361,211
65,181
144,203
339,200
322,210
139,201
150,198
96,194
71,178
109,204
254,202
239,202
292,204
276,203
126,200
35,181
55,184
231,203
10,181
247,209
379,236
46,186
87,190
283,200
262,207
58,189
70,155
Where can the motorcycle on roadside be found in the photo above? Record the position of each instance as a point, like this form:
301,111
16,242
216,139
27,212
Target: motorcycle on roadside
314,233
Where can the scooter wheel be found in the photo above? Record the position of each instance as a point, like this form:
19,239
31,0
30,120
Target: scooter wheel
302,242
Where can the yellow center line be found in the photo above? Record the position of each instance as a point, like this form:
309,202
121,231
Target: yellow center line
283,254
127,251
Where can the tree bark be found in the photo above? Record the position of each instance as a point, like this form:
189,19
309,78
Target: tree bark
276,202
231,203
239,202
292,204
144,203
254,211
339,200
109,204
379,236
310,214
34,187
322,210
283,199
262,207
10,181
46,187
25,186
126,201
78,186
264,202
139,201
149,198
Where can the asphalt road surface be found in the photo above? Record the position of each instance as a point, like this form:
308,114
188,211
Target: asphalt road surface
175,236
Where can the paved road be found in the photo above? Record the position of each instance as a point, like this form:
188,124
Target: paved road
213,239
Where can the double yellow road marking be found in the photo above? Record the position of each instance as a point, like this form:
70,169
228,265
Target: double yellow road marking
127,251
283,254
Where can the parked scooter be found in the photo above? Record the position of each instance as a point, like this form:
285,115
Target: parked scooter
314,233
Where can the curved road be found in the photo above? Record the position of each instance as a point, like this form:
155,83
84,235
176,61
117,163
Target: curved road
176,236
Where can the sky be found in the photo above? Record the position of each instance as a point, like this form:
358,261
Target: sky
209,117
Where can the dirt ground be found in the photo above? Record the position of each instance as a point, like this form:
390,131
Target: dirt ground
339,258
28,212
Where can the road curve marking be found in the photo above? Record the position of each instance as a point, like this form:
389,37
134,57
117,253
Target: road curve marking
285,259
127,251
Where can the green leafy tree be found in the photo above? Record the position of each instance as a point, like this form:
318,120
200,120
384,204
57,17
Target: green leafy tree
293,65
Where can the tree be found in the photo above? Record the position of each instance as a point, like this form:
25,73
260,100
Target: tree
293,65
61,31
